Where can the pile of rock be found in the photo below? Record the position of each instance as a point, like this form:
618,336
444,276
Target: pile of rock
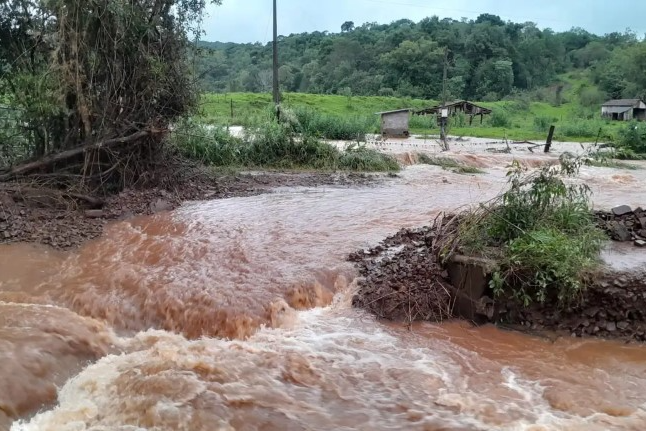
613,307
402,280
623,223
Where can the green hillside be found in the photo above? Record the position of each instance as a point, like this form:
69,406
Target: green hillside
486,59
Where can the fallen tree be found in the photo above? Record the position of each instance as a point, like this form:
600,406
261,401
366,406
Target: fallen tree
50,159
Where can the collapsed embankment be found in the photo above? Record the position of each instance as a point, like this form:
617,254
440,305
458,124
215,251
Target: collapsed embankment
64,221
402,280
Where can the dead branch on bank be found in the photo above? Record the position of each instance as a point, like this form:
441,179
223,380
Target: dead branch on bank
66,155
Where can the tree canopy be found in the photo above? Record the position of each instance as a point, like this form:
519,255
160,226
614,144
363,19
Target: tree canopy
488,59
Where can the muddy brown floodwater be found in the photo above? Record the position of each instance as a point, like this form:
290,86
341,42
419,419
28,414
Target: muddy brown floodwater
235,314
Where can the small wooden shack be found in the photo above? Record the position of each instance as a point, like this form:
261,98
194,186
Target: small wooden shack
394,124
624,110
458,106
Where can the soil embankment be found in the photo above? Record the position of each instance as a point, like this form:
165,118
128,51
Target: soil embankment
61,221
402,281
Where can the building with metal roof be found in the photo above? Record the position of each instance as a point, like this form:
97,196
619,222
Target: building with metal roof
624,110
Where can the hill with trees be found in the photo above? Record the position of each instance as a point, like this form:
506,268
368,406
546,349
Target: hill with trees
488,59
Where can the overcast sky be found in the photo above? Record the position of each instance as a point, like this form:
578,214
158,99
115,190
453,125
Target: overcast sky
250,20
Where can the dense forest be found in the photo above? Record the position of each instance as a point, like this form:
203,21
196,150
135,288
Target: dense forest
488,59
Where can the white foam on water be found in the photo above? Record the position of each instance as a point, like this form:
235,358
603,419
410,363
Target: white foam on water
333,369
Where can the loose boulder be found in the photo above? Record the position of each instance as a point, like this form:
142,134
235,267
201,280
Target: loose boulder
622,210
619,231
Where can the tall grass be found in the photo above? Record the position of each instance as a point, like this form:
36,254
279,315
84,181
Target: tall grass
212,145
360,158
275,145
632,141
329,126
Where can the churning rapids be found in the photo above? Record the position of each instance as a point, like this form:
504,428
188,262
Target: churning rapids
235,314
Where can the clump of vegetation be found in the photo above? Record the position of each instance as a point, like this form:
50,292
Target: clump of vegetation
449,164
500,118
210,145
592,97
542,123
631,143
347,127
271,144
360,158
542,232
581,128
423,122
14,143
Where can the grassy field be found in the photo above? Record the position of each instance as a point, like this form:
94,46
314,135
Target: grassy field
514,120
217,108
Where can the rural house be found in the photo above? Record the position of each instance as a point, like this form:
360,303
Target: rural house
624,110
394,124
458,106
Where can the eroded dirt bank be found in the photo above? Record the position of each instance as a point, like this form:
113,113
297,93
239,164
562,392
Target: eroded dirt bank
37,215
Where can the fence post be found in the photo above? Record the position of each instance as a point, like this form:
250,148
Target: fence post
550,135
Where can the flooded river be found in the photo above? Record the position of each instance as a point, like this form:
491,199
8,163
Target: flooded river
235,314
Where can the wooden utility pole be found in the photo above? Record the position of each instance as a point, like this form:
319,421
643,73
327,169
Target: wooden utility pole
275,68
444,118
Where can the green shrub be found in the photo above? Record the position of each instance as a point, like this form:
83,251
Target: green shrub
491,96
500,118
424,122
580,128
548,263
521,102
592,96
632,140
211,145
542,123
544,231
15,145
272,145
